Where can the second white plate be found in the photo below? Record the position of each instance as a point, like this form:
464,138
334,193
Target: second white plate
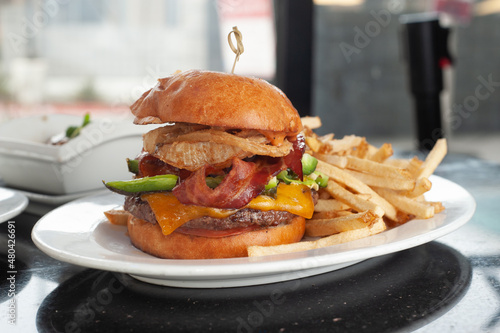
79,234
11,204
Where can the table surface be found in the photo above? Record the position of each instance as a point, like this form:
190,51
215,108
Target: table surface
449,285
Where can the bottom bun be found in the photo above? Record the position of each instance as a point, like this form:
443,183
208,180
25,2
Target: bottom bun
149,238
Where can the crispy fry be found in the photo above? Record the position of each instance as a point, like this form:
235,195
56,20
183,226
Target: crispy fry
375,168
326,205
313,143
346,143
311,122
405,204
356,185
325,227
422,185
117,216
383,153
374,180
330,214
343,237
339,161
357,203
433,159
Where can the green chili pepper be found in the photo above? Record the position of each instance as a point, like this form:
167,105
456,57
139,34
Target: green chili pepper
321,179
273,182
213,182
133,166
146,184
308,164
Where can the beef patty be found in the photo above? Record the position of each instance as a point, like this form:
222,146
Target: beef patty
246,217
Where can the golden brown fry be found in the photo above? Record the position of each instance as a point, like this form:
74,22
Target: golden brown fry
419,209
374,180
356,185
330,214
379,169
361,150
339,161
314,143
414,166
346,143
422,185
117,216
326,205
383,153
343,237
433,159
438,206
357,203
311,122
326,227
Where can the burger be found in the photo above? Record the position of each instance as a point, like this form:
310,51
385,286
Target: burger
225,170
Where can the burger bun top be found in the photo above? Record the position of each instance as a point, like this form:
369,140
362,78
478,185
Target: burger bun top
218,99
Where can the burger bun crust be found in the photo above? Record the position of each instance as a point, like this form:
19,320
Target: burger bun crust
218,99
149,238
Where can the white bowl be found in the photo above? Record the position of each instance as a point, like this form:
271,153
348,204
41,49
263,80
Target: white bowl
98,153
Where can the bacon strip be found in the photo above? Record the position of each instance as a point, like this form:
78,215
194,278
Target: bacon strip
244,182
293,159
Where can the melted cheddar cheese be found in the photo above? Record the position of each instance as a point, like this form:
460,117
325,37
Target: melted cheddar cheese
171,214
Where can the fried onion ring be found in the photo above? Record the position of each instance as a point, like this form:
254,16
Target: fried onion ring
190,147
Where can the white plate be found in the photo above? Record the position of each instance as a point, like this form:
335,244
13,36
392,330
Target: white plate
11,204
54,199
79,234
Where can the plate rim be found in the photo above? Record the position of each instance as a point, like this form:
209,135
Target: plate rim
20,205
153,267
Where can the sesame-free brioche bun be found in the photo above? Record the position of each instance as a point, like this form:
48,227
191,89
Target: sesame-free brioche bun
218,99
149,238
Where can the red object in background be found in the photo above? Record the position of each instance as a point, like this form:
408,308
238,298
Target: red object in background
459,10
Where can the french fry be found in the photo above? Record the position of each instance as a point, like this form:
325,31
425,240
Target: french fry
326,205
375,168
339,161
314,143
343,237
330,214
358,186
422,185
374,180
311,122
357,203
326,227
438,206
433,159
383,153
346,143
117,216
407,205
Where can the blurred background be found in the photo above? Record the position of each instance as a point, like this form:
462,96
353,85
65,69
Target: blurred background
342,60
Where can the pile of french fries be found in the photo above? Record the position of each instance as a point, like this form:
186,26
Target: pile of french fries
367,192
